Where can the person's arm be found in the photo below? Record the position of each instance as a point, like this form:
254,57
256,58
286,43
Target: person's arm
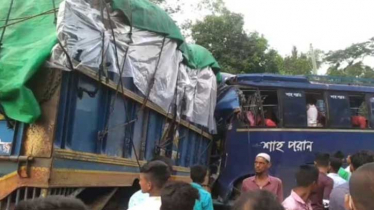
327,190
280,192
208,204
244,187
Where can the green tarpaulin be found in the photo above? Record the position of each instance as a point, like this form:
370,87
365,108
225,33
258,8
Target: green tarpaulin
199,58
145,15
26,46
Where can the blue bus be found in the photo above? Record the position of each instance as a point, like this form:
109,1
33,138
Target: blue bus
245,102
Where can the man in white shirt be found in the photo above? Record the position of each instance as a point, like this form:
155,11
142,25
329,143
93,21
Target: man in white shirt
139,197
312,113
335,165
153,176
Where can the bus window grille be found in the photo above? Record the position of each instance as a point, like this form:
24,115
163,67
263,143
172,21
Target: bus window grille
9,200
26,194
33,193
18,196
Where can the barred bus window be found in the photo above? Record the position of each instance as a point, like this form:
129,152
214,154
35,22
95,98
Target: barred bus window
371,106
316,101
359,111
259,108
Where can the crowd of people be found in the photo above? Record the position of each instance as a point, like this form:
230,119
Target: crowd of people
326,184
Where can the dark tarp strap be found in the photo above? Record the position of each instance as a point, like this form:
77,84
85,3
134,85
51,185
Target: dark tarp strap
6,23
154,75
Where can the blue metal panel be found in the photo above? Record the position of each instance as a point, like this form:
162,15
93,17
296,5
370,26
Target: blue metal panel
115,141
80,119
184,146
154,133
191,148
130,109
197,150
87,118
138,132
132,112
18,139
288,150
10,139
204,152
65,92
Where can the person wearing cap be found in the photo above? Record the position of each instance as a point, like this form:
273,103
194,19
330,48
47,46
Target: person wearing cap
262,180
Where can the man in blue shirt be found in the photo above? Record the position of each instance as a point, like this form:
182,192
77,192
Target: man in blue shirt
198,174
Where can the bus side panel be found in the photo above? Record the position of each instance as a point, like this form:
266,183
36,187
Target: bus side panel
288,150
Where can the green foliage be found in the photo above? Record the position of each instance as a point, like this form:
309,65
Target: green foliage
349,62
297,64
235,50
171,8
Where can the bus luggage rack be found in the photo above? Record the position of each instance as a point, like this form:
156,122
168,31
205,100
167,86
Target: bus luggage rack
340,80
27,193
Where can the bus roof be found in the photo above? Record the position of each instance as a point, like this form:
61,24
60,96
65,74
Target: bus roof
312,82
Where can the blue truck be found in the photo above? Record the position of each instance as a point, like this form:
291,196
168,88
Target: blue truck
89,95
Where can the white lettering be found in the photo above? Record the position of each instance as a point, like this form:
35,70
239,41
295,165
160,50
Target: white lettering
337,97
300,146
273,146
5,147
297,95
295,146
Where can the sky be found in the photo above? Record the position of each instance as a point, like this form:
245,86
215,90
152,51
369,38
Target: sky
326,24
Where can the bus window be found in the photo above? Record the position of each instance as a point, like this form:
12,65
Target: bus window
359,111
316,109
294,108
270,107
259,108
371,107
339,110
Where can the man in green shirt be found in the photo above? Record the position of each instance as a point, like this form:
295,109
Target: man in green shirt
343,173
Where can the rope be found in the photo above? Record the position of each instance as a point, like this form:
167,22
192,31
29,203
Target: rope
6,23
54,7
120,82
154,75
28,18
120,78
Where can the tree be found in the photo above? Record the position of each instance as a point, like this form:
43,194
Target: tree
349,62
297,64
171,8
236,51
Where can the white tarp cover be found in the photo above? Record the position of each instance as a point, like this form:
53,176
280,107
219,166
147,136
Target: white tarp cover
201,97
80,29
